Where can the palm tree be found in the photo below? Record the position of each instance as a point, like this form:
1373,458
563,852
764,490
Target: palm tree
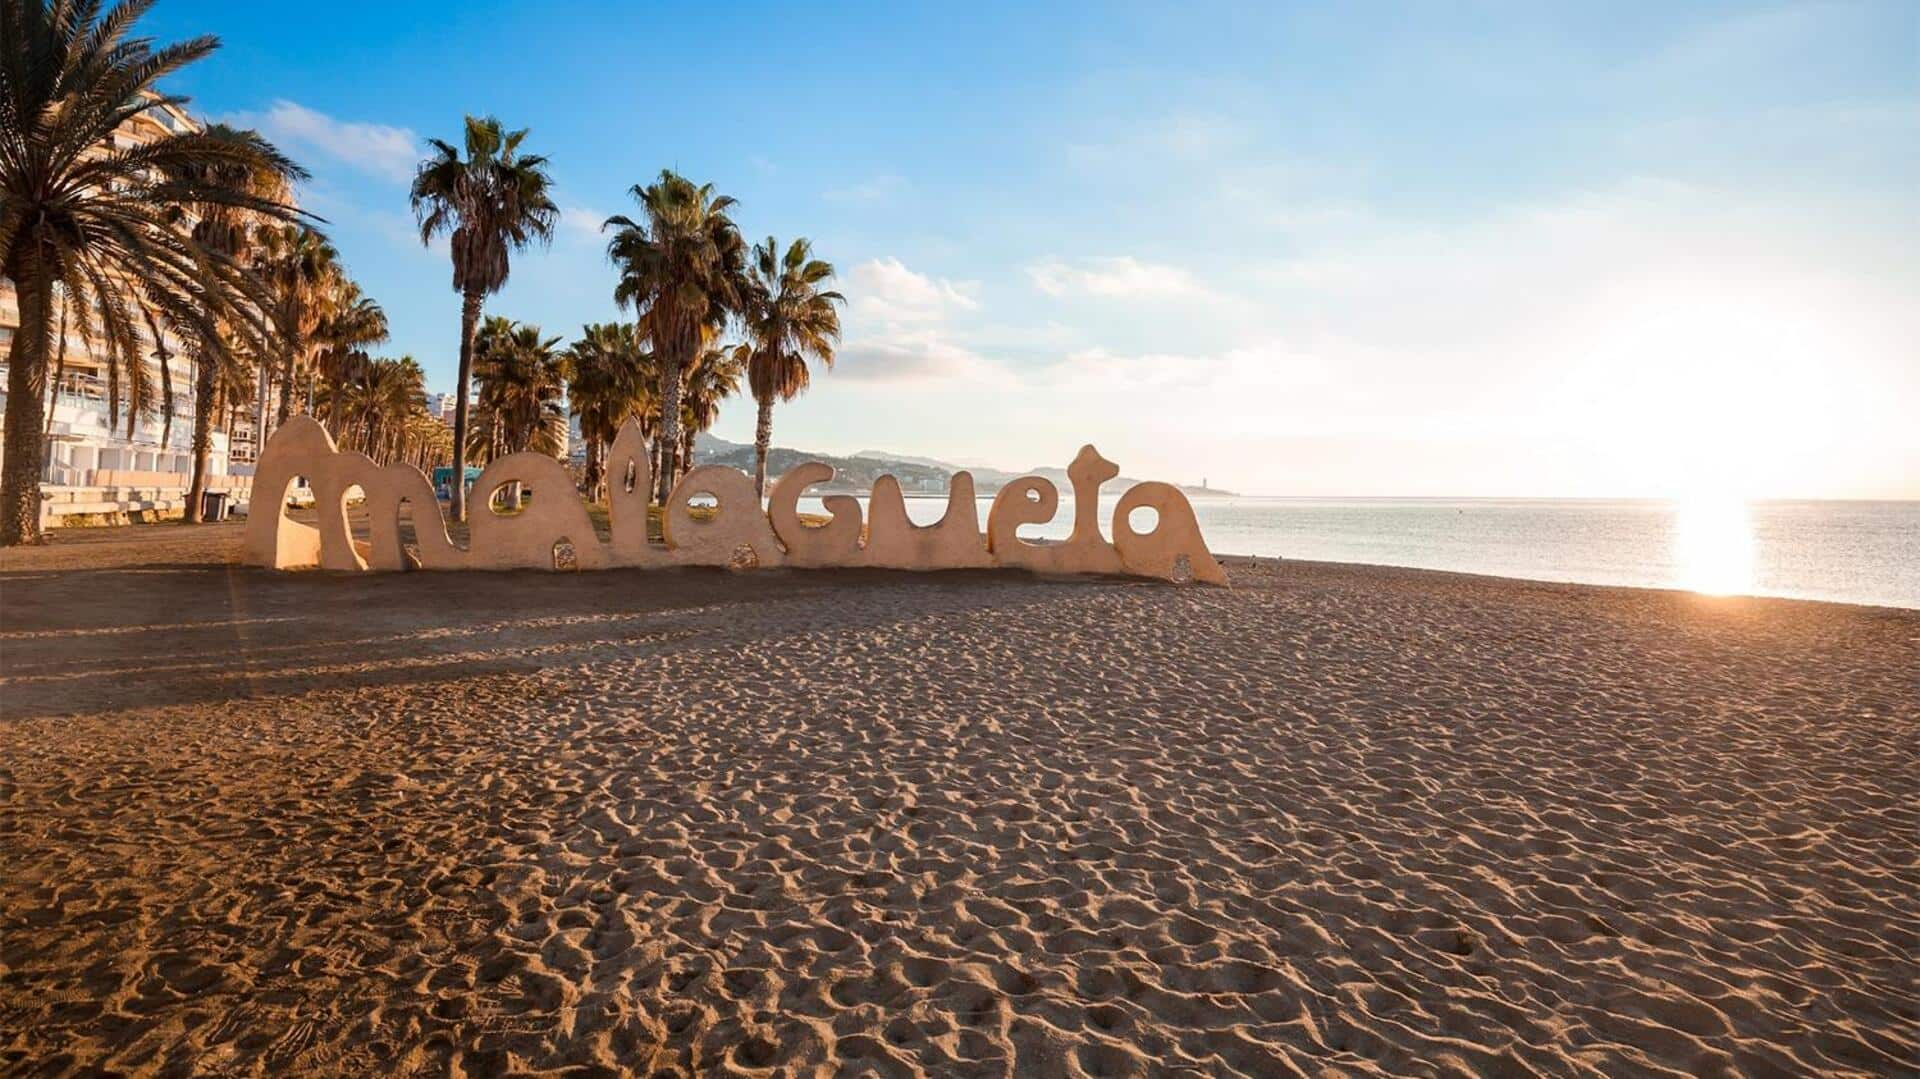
352,322
379,403
97,221
712,379
427,442
682,268
234,392
789,318
606,385
521,378
493,202
304,272
231,231
381,410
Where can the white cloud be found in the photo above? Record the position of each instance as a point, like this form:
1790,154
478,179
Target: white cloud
1628,339
582,223
899,331
1673,327
1116,276
1254,368
391,153
925,356
884,292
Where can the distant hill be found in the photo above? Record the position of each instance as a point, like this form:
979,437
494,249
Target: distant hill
852,475
930,462
917,475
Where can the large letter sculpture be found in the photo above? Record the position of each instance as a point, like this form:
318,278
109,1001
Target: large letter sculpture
734,533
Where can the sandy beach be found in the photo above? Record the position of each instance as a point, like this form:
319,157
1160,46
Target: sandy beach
1335,820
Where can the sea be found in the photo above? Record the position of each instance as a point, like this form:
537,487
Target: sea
1849,552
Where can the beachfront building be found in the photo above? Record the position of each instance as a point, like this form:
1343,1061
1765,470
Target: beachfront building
94,465
440,407
576,442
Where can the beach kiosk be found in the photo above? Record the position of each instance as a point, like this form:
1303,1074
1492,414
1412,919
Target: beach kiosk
443,481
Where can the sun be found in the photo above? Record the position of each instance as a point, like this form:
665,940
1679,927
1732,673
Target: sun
1713,545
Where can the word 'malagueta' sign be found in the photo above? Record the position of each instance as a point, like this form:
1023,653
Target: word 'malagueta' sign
735,533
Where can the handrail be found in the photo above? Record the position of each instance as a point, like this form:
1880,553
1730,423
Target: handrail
78,386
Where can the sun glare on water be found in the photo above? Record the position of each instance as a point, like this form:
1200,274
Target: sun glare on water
1713,545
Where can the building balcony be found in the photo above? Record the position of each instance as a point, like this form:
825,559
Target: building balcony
87,447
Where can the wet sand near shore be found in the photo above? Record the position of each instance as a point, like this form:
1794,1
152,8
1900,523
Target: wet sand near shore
1335,820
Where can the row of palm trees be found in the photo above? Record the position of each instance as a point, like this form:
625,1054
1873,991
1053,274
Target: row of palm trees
193,238
683,269
380,409
326,325
606,376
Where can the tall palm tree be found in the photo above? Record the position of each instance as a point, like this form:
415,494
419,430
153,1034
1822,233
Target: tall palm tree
304,272
231,231
98,221
713,378
789,318
522,378
494,201
606,385
682,268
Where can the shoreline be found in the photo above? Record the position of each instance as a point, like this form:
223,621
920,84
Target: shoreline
105,535
1276,560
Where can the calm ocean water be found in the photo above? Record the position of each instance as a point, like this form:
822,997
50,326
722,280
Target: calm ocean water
1854,552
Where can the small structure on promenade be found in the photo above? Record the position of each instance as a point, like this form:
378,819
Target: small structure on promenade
737,533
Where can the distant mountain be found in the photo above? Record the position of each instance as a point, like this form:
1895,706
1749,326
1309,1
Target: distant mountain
930,462
917,475
852,475
705,445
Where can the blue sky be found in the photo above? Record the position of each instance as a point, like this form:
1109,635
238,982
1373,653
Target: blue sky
1618,249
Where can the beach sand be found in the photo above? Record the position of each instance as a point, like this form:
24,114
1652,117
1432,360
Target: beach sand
1335,820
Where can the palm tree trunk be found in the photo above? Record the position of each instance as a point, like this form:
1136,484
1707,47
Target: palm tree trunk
262,385
592,478
762,442
670,368
469,322
286,388
21,455
202,438
59,367
659,454
166,392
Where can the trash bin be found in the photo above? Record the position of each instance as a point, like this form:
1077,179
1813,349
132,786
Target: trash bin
213,506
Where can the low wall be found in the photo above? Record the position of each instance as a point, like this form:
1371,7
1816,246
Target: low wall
120,496
123,477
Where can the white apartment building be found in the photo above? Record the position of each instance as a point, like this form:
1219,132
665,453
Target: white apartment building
93,465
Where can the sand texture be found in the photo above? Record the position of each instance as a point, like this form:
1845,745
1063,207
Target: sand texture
1335,820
